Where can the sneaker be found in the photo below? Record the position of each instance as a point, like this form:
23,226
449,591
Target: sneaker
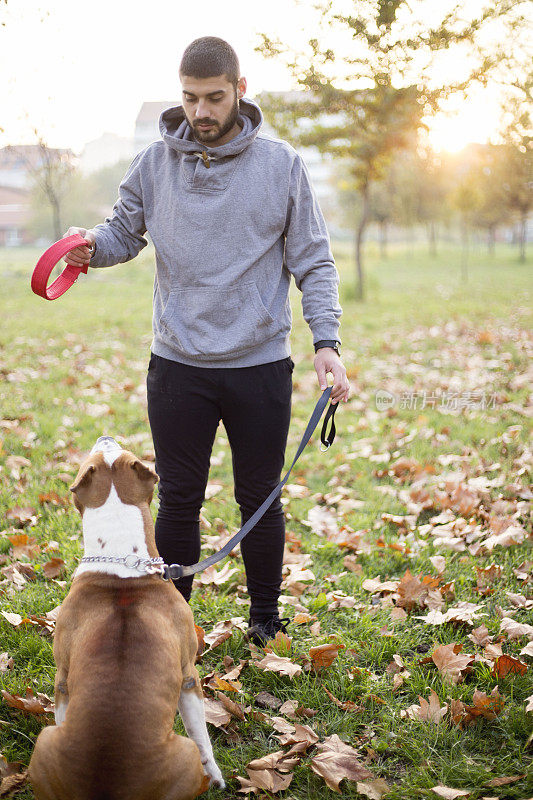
260,631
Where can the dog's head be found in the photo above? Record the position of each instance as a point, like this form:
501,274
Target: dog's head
108,465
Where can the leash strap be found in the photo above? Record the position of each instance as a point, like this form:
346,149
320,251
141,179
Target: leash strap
179,571
46,264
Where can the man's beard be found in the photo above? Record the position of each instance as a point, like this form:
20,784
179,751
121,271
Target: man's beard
219,129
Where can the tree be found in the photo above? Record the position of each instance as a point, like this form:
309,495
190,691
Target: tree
518,157
52,173
367,104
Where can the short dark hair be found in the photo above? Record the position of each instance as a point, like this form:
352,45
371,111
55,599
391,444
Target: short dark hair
208,57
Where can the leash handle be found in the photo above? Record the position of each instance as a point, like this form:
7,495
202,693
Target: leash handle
178,570
46,264
327,441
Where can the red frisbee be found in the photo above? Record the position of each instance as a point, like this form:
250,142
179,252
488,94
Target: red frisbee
46,264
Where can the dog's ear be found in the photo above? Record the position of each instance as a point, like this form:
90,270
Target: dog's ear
83,478
144,472
134,480
92,484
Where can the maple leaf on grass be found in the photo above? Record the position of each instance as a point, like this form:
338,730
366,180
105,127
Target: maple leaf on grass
336,760
324,655
274,663
506,664
450,663
31,704
487,706
431,711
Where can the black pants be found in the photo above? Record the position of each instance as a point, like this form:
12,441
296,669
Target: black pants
185,405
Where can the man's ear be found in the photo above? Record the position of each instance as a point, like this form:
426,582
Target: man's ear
241,87
83,479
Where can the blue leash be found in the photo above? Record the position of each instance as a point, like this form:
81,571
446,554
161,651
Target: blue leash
174,571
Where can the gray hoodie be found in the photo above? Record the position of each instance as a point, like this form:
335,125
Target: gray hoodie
227,239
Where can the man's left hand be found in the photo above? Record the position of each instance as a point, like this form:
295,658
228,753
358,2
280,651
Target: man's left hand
327,360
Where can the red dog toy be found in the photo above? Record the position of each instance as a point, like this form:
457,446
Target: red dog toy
46,264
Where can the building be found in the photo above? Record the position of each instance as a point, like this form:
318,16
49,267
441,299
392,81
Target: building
105,151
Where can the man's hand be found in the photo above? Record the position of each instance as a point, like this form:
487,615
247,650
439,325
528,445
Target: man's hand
327,360
80,255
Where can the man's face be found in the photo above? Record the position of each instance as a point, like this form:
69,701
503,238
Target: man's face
212,106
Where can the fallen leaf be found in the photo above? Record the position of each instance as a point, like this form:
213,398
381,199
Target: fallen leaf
374,790
514,629
431,711
506,664
337,760
449,794
487,706
53,568
274,663
324,655
450,663
31,703
215,712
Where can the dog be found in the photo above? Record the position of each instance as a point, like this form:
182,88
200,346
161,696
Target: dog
125,649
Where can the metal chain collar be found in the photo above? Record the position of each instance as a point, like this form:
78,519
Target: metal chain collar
151,566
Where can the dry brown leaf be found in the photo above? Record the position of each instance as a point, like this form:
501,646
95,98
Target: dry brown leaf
450,663
215,712
24,545
505,781
480,636
412,591
269,780
506,664
235,709
514,629
300,618
374,790
13,776
324,655
337,760
431,711
53,568
346,705
274,663
300,734
223,630
487,706
200,634
212,576
448,793
30,704
6,662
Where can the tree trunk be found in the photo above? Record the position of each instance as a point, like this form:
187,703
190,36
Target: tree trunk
464,254
56,217
432,238
492,239
360,292
523,229
383,239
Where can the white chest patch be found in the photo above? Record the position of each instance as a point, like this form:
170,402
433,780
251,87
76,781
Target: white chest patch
116,530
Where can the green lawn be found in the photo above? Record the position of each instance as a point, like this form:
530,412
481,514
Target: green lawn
453,358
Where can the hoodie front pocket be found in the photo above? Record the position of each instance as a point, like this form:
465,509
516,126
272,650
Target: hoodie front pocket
212,323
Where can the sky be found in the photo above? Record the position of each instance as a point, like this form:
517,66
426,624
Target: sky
74,70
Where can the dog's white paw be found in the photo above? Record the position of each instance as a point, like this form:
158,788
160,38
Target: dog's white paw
215,775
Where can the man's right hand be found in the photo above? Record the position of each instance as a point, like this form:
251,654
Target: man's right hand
80,255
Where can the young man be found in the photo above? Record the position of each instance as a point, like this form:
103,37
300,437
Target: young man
232,216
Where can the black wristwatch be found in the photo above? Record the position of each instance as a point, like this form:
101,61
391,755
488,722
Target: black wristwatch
333,343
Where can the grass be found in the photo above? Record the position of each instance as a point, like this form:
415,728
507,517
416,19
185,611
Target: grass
74,369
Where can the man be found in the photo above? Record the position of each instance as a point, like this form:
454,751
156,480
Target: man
232,216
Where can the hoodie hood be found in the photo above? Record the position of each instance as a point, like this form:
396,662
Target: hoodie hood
177,133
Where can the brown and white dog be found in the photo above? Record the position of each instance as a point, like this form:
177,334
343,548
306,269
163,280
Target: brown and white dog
125,648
